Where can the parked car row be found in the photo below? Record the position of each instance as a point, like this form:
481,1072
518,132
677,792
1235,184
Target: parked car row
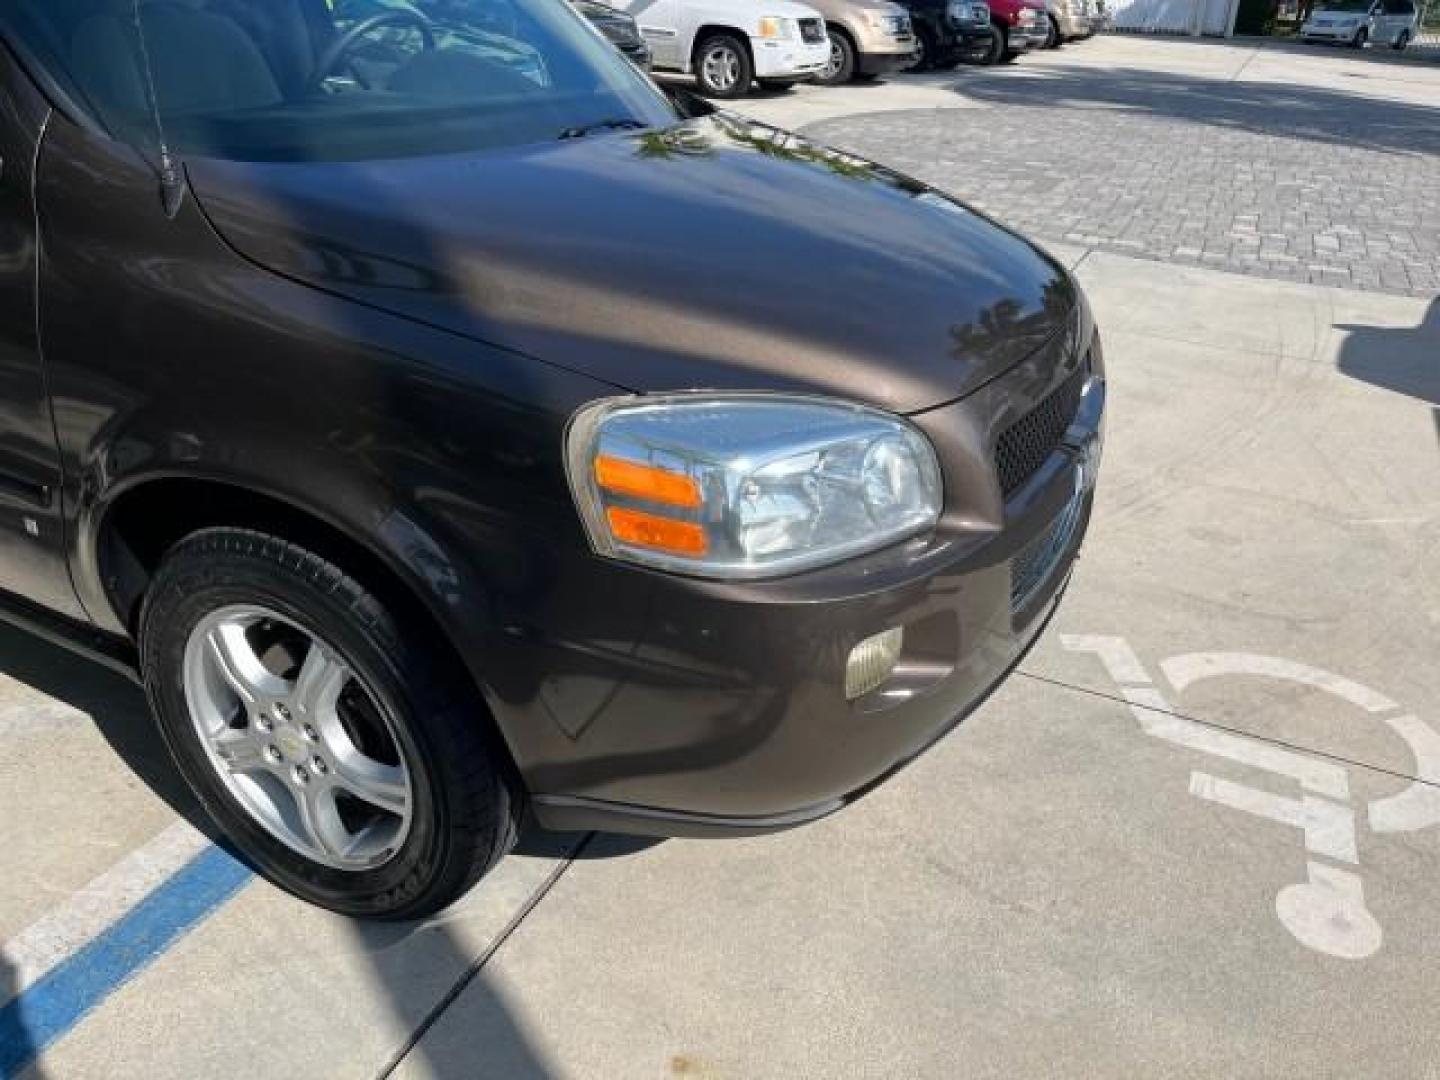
728,45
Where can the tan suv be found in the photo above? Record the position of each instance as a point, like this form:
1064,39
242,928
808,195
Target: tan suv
867,38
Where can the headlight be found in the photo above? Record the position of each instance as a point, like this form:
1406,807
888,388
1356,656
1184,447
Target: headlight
747,486
969,11
895,23
775,27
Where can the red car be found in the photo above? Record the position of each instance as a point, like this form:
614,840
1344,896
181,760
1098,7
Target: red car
1023,25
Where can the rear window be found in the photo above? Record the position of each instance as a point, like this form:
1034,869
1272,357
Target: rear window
305,80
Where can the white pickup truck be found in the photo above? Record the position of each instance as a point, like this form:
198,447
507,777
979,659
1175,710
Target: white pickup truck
727,44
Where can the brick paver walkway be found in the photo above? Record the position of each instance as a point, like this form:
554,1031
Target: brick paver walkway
1301,183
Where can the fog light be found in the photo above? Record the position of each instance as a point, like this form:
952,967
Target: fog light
872,661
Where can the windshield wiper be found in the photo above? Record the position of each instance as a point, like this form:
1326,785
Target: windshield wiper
580,132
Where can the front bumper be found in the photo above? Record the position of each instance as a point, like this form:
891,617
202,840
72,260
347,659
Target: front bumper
1310,32
1023,37
883,63
664,705
789,59
882,44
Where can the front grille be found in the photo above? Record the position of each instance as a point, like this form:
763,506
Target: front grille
1028,443
1032,567
812,31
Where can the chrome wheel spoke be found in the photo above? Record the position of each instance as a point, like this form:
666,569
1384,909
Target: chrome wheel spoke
317,687
320,820
382,786
240,751
237,663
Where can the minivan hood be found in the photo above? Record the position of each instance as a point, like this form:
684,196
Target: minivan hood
718,254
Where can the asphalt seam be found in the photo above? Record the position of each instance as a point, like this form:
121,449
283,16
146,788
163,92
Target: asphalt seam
478,964
1241,732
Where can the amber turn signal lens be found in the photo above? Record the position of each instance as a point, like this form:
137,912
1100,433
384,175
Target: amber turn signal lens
646,482
662,534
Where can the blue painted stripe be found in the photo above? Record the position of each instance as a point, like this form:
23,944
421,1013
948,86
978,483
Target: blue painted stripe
63,997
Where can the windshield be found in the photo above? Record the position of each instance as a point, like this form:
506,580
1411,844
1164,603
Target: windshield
307,80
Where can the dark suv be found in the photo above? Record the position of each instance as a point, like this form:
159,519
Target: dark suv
439,419
949,31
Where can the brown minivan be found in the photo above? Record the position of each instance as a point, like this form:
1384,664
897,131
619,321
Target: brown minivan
440,420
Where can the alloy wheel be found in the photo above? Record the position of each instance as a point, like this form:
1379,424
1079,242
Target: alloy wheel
833,65
720,68
302,745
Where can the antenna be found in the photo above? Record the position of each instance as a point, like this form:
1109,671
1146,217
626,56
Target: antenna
172,187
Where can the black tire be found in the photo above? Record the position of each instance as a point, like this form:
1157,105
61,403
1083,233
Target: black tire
465,805
925,50
779,86
1402,41
1361,37
842,59
744,69
1053,40
993,53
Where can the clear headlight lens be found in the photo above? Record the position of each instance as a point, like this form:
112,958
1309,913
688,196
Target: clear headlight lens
775,27
969,11
747,486
895,22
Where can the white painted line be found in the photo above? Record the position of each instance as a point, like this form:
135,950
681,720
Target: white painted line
1114,652
1314,774
1182,671
1156,719
1418,806
60,933
1328,827
1328,914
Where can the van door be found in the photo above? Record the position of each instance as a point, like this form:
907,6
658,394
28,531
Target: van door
667,27
32,538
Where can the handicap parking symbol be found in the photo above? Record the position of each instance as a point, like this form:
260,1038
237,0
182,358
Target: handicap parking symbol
1327,911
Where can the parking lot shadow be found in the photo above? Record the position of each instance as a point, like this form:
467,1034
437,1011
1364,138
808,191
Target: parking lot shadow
17,1045
493,1044
116,705
1405,360
1317,114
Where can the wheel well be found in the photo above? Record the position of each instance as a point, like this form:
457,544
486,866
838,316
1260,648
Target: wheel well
835,29
711,30
149,520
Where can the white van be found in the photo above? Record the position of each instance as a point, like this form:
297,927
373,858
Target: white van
727,44
1357,22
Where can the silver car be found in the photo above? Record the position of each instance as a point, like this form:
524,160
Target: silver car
1359,22
867,38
